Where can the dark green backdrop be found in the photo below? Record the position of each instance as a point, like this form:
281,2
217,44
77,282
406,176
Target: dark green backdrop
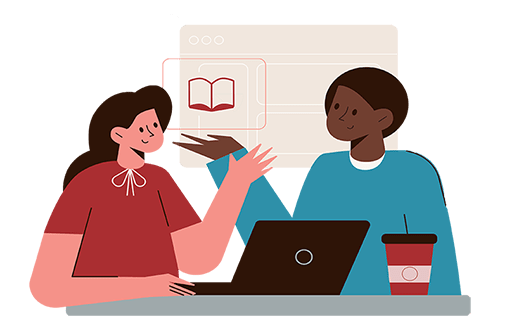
59,61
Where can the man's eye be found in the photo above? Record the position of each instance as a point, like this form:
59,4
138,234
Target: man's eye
354,112
155,125
336,106
141,129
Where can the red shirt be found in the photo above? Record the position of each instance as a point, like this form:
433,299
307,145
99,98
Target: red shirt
123,235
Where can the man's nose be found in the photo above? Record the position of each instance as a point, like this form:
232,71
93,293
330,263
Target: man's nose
343,115
151,134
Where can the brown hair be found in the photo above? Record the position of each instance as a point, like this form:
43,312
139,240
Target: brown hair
118,110
379,88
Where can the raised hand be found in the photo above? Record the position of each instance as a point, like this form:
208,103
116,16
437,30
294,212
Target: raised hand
249,168
213,149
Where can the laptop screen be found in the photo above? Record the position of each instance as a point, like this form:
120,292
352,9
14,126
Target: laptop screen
300,256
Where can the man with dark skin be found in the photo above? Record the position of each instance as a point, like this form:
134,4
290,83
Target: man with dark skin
363,106
352,119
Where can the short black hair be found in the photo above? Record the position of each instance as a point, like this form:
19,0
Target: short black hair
379,88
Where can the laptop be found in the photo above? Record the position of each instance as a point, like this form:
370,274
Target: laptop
293,257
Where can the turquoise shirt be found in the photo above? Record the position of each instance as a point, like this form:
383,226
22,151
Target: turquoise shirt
403,183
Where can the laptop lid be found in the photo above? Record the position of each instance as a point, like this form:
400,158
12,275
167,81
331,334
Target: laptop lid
298,257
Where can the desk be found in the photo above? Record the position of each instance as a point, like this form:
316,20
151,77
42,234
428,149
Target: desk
274,305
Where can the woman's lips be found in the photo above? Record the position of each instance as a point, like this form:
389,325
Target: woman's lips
145,142
351,127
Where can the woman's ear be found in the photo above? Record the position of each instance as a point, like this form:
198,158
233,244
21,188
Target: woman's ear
117,134
385,118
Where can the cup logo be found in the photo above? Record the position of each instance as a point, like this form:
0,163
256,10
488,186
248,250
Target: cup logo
409,273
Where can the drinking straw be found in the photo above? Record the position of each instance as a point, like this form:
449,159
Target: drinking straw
406,226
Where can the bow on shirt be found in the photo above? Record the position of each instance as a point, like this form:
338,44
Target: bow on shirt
130,179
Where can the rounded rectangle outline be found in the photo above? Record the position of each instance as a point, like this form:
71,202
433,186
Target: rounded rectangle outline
224,58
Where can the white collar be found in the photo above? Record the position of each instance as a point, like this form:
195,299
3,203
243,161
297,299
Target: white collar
366,165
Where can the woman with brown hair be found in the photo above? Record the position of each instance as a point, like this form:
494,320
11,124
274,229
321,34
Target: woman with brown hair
122,229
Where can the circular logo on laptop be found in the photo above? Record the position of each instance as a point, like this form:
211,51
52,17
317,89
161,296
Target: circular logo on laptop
305,258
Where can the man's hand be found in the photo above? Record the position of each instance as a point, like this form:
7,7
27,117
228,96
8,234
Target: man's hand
213,149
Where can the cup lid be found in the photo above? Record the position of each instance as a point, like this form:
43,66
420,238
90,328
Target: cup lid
410,238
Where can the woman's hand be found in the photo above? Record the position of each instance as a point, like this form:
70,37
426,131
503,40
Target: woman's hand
249,168
200,248
168,285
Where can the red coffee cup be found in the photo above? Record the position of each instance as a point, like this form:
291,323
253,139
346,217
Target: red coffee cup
409,262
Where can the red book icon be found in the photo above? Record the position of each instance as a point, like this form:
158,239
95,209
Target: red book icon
209,96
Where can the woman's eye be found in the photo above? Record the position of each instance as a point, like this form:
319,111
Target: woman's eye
141,129
354,112
155,125
336,106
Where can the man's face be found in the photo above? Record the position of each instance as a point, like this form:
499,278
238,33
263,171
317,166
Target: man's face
351,117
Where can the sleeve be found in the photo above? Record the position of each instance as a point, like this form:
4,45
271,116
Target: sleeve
427,213
73,208
177,210
310,205
261,201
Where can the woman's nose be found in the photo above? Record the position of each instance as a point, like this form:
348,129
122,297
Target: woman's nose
151,134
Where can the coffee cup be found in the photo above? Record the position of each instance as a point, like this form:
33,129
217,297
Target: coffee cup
409,262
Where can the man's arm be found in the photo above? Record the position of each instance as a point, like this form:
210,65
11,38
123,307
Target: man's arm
427,213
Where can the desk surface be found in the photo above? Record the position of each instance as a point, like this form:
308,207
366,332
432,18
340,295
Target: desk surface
273,305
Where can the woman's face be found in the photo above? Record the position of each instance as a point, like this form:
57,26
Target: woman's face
144,134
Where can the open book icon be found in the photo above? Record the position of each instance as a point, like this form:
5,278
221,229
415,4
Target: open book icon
211,96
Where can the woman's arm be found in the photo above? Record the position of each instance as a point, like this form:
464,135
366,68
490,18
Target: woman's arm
53,285
200,248
261,201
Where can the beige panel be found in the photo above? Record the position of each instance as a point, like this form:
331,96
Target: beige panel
302,61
